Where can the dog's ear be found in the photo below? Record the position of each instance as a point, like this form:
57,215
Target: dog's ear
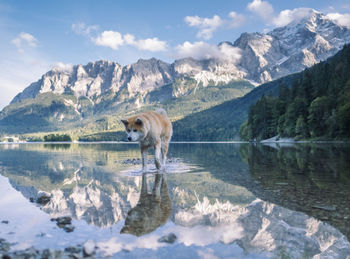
139,121
125,122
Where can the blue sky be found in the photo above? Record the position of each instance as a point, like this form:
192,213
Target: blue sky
38,35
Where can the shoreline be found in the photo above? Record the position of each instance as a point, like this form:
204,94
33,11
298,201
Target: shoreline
283,141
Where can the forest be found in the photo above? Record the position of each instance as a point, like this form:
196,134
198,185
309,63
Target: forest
316,106
57,138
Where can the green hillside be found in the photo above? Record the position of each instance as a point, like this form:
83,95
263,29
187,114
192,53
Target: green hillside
325,85
316,106
85,120
222,122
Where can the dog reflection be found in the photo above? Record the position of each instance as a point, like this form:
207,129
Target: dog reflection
152,210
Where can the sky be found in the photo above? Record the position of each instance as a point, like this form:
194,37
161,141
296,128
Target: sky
39,35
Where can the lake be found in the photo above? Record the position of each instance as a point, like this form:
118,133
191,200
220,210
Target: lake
215,200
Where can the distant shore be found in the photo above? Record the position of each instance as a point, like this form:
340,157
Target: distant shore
265,141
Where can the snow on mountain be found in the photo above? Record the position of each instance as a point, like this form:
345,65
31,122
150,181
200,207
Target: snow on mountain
264,57
291,48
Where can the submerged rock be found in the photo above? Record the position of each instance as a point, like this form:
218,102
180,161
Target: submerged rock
65,223
327,208
138,161
43,197
68,228
73,250
170,238
33,253
51,254
65,220
135,161
4,245
28,253
89,248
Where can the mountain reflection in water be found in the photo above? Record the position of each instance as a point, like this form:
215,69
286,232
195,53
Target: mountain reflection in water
252,197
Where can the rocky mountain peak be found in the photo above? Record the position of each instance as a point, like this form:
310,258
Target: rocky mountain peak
264,57
149,66
291,48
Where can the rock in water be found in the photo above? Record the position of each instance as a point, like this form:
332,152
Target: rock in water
68,228
4,245
43,197
170,238
89,248
65,223
63,220
327,208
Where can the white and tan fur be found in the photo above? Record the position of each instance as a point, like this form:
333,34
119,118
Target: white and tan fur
150,129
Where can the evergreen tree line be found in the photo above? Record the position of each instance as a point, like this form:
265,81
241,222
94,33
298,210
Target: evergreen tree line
316,105
57,137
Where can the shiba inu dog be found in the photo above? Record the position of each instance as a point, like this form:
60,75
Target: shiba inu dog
152,210
150,129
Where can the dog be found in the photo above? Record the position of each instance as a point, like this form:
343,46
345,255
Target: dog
152,210
150,129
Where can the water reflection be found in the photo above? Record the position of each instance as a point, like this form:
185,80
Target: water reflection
248,196
312,178
58,146
152,210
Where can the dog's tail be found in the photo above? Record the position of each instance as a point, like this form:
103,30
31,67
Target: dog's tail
161,112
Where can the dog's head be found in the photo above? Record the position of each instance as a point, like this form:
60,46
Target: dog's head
134,128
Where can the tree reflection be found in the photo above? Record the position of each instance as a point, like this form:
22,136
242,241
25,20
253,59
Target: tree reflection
313,178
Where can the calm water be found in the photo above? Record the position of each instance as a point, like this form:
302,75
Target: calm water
219,200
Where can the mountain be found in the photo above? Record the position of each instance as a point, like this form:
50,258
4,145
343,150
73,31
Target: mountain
328,116
222,122
291,48
83,95
92,96
316,106
98,79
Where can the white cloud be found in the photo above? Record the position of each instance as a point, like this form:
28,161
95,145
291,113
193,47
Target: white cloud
129,39
229,52
203,50
266,12
62,67
114,40
340,19
83,29
24,39
151,44
287,16
262,8
207,26
236,19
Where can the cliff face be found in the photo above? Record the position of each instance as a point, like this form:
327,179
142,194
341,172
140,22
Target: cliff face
291,48
264,57
80,92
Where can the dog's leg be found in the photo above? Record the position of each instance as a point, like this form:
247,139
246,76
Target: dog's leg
157,186
162,153
144,158
165,148
144,185
157,148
